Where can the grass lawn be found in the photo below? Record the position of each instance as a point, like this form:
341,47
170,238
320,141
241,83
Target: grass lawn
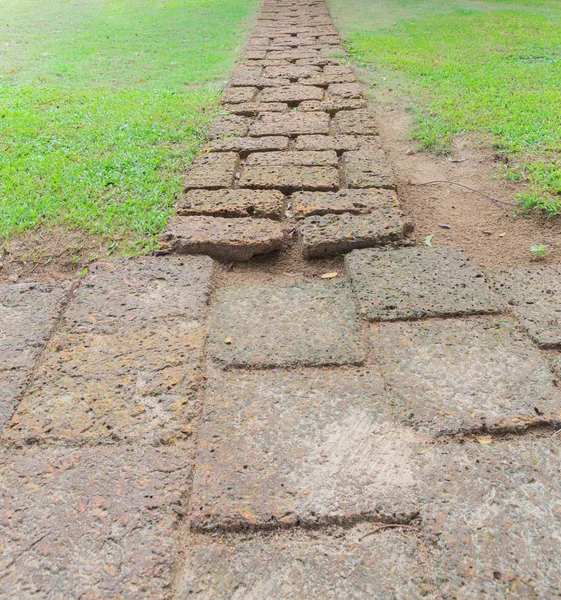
102,105
486,67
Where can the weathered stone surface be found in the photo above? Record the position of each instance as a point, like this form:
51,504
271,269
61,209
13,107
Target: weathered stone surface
223,239
256,54
127,294
254,108
332,105
130,385
339,143
555,362
229,125
244,145
12,385
260,82
291,124
292,159
345,90
303,565
244,72
306,204
303,448
233,203
534,294
90,523
291,54
325,80
493,512
414,283
457,375
289,178
367,168
291,93
239,94
282,325
291,72
212,171
331,234
358,122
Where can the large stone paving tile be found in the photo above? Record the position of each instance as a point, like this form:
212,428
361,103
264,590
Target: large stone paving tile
534,294
300,566
458,375
494,515
281,325
286,447
413,283
89,523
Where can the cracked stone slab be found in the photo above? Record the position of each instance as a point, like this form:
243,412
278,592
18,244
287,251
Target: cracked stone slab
367,168
127,294
283,325
290,178
415,283
229,125
493,514
291,124
331,234
228,239
130,385
212,171
267,204
91,522
339,143
306,204
534,295
303,448
245,145
291,159
457,376
291,93
255,108
355,122
238,95
304,565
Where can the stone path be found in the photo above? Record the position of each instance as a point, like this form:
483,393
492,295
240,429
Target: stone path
169,431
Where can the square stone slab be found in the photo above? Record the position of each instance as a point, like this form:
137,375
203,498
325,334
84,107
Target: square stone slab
333,234
290,178
493,514
267,204
228,239
291,124
534,295
229,125
212,171
281,325
303,565
287,448
90,522
455,376
239,94
355,122
367,168
414,283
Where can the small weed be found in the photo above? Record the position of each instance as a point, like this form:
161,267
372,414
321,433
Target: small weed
539,252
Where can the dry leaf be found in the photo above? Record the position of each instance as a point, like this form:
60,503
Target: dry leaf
329,275
485,440
228,341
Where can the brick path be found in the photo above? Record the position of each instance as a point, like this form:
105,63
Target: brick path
169,433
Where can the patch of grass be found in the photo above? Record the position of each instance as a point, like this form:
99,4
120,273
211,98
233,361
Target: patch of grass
491,68
103,105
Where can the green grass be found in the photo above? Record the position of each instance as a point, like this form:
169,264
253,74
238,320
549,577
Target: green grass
103,103
488,68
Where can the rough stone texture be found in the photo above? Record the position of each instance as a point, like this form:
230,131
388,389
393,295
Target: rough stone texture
493,512
346,90
233,203
291,124
555,361
255,108
367,168
89,523
246,145
306,204
291,54
339,143
212,171
228,125
282,325
222,238
290,159
326,79
289,178
358,122
28,315
285,448
330,234
291,93
240,94
332,105
413,283
291,71
534,294
259,82
456,376
301,566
